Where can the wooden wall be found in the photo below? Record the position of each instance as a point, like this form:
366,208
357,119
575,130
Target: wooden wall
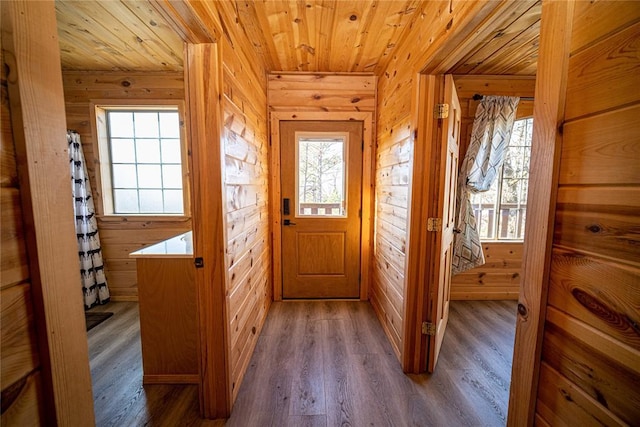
590,367
22,401
246,194
120,235
395,133
499,278
321,92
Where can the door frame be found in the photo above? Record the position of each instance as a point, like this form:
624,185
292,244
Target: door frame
429,90
368,180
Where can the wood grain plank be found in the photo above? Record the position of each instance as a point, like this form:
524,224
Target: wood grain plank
503,33
82,86
562,401
609,231
470,85
605,74
8,172
597,19
13,257
20,349
602,149
591,371
601,293
27,408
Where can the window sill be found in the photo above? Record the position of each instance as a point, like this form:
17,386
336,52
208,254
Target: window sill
143,218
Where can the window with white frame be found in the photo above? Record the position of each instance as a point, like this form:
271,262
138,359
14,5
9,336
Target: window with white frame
144,172
502,210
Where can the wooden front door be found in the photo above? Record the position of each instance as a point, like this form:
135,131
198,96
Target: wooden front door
439,279
321,185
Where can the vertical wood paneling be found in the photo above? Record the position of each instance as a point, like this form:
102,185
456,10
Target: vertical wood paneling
591,344
119,236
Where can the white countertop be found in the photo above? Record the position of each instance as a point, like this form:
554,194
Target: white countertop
180,246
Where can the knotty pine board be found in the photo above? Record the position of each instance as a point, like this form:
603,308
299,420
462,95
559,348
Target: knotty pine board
591,346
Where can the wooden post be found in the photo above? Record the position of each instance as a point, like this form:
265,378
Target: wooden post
548,111
203,83
30,42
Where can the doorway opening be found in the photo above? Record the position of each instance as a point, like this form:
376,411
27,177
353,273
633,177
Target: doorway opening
332,232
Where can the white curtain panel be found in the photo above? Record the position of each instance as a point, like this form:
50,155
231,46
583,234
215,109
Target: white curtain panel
94,282
489,140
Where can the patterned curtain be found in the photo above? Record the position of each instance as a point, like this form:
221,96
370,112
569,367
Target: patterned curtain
94,282
489,140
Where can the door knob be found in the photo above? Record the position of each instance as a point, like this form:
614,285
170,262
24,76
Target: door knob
288,222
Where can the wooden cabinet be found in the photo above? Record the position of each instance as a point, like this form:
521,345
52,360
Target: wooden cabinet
168,321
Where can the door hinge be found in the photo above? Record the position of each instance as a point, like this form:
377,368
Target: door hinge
428,328
363,145
442,111
434,224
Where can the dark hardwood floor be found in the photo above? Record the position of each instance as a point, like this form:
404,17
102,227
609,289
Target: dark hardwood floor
322,364
119,397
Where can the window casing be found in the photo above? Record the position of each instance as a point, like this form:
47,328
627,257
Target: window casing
143,171
501,211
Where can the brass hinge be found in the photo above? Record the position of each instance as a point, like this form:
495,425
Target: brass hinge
428,328
442,111
434,224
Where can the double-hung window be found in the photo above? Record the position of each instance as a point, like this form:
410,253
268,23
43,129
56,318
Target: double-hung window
144,173
502,210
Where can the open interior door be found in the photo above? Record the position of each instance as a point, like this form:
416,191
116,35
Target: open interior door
441,221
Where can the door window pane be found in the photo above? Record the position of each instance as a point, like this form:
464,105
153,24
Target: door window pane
321,176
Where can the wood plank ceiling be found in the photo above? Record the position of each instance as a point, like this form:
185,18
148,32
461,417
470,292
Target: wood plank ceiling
288,35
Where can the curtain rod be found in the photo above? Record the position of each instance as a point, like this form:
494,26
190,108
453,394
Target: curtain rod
478,97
